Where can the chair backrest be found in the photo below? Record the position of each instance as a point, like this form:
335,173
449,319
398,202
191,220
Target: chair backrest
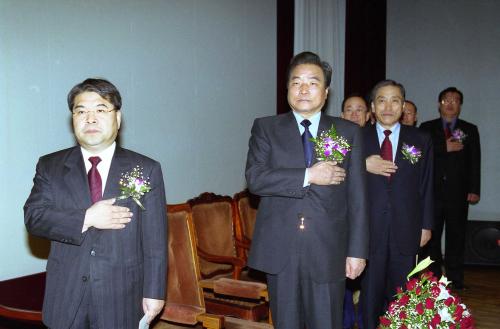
184,300
247,205
213,220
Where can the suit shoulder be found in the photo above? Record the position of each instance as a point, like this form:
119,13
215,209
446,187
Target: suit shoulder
139,157
430,123
58,156
467,124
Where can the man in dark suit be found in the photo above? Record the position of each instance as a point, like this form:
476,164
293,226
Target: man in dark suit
457,179
107,259
401,199
311,228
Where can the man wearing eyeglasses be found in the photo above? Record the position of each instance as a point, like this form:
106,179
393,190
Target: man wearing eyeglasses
457,164
107,262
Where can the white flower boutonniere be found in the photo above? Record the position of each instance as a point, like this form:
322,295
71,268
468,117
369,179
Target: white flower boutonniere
134,185
411,153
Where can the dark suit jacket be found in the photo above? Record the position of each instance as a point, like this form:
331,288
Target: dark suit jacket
460,171
405,202
120,266
336,215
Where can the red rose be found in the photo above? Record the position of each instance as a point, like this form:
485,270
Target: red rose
452,326
419,308
435,320
385,321
402,315
458,312
467,323
403,327
410,285
392,307
435,291
448,301
418,290
399,290
427,275
429,303
404,300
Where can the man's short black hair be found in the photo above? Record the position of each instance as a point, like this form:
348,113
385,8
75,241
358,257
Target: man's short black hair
351,96
308,57
103,87
451,90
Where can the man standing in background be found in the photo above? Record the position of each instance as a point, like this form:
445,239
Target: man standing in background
107,263
457,181
409,116
354,109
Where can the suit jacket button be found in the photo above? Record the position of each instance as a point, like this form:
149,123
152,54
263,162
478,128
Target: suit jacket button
92,252
84,278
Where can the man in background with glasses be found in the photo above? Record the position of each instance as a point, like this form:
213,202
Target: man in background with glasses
107,262
457,168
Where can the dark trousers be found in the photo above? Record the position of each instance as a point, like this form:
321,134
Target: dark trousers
386,270
86,315
453,217
297,301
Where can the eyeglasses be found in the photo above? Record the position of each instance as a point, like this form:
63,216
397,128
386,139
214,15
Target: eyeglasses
99,113
450,101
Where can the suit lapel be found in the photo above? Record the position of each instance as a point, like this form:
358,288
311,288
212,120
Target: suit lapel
373,146
76,179
290,133
119,165
403,138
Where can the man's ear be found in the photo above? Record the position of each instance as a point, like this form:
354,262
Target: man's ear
326,91
119,118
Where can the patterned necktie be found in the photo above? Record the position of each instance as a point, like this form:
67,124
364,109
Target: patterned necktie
306,142
95,182
386,148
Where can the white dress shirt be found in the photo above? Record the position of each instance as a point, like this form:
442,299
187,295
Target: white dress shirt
103,167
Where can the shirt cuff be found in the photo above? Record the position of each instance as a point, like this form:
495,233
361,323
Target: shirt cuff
306,178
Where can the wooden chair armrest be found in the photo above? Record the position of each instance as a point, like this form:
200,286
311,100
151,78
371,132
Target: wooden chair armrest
221,259
242,244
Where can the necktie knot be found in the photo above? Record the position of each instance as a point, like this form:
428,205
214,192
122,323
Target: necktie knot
94,161
387,132
305,123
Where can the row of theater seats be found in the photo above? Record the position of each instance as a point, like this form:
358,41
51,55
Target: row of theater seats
208,282
207,278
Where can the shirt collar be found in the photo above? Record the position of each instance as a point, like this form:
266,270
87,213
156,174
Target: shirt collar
106,155
393,129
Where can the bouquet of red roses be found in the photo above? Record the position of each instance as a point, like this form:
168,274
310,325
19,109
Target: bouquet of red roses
426,303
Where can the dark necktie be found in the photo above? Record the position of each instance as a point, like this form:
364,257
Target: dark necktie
306,142
386,148
95,182
447,130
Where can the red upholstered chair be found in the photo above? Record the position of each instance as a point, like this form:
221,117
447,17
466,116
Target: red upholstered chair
186,292
21,301
217,246
246,205
184,303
